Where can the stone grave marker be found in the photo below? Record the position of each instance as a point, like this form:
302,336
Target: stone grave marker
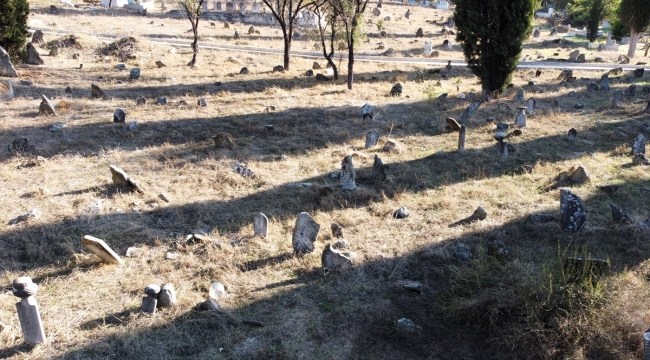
631,91
520,96
260,225
502,146
224,140
167,296
638,73
471,109
366,112
46,106
348,174
337,230
419,33
453,124
638,145
619,215
571,211
134,74
376,12
461,138
101,249
28,313
574,55
33,57
54,51
150,300
396,90
616,98
6,67
407,14
305,233
140,101
378,169
536,33
333,260
119,116
37,37
428,47
95,91
530,105
520,118
571,136
121,179
604,82
372,138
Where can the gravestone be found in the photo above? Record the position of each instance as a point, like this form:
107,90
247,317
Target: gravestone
167,296
396,90
638,146
419,33
161,100
604,82
217,291
217,6
99,248
255,7
225,23
571,211
366,113
119,116
224,140
337,230
244,71
54,51
96,92
631,91
251,30
378,169
202,102
122,180
305,233
536,33
6,67
372,137
520,95
428,47
572,134
376,12
616,97
581,58
141,101
134,74
37,37
530,105
32,56
638,73
592,86
402,213
332,259
471,109
236,36
316,66
278,68
574,55
348,174
520,118
160,64
28,313
242,9
619,215
453,124
260,225
502,146
461,138
150,300
46,106
407,14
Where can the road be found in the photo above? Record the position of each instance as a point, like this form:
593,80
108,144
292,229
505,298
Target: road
358,57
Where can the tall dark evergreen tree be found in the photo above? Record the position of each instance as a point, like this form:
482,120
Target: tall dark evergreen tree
491,33
13,25
596,13
635,13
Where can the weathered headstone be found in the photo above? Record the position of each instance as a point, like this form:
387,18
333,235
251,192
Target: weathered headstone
101,249
578,175
453,123
236,36
305,233
619,215
95,91
502,146
376,12
348,174
251,30
520,118
372,137
6,67
378,169
202,102
160,64
396,90
122,180
581,58
150,300
530,105
638,73
134,74
141,101
571,211
167,296
574,55
46,106
631,91
407,14
616,98
332,259
224,140
337,230
572,134
260,225
461,138
471,109
520,96
638,145
536,33
28,313
162,100
37,37
32,56
428,47
419,33
54,51
119,116
278,68
402,213
366,113
604,82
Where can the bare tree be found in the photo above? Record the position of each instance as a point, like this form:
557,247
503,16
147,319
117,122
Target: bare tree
328,32
349,12
286,12
192,9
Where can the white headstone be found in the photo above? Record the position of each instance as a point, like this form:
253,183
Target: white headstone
260,225
99,248
428,47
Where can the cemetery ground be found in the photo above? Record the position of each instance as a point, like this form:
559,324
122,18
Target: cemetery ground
474,302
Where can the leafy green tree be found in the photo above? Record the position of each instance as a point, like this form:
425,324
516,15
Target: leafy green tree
635,13
350,13
192,10
13,26
491,33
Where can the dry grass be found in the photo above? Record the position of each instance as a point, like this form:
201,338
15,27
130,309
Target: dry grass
481,308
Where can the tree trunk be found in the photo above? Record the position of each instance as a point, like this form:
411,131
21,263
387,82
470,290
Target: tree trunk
485,94
287,51
634,37
350,64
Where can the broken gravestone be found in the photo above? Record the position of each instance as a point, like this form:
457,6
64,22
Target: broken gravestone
619,215
574,55
260,225
224,140
6,67
304,234
348,174
453,124
167,296
332,259
372,138
122,180
571,211
32,56
95,91
46,106
28,313
378,169
471,109
150,300
99,248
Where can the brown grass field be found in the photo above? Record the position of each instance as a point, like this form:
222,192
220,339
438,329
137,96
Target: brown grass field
523,307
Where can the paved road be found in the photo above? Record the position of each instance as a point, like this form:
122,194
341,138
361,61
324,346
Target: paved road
358,57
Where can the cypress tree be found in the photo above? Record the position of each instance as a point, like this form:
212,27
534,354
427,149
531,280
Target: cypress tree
635,13
13,26
596,12
491,33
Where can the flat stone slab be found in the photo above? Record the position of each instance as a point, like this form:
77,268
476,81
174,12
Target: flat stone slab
101,249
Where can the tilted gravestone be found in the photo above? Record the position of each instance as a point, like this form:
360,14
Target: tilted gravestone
305,233
348,174
453,124
471,109
6,67
260,225
461,138
28,313
378,169
122,180
332,259
96,91
571,211
46,106
372,138
101,249
32,56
